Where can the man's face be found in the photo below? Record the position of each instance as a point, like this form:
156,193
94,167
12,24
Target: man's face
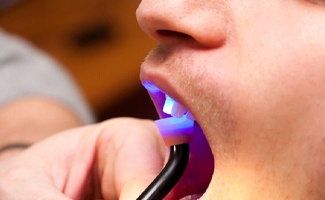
253,75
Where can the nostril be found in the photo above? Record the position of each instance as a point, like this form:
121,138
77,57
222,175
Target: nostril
170,38
172,34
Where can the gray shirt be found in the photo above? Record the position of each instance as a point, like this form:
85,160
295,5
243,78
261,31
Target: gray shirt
27,71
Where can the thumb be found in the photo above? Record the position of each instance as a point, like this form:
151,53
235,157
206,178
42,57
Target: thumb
130,157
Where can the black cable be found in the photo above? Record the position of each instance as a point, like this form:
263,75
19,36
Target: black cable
170,175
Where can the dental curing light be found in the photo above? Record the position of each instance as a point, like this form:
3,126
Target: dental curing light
176,133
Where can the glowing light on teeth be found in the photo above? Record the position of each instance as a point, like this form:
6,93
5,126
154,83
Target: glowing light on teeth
168,106
174,108
177,129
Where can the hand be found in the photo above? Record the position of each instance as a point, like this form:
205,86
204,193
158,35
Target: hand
115,159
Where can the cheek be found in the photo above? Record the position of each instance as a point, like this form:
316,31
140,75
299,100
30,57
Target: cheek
208,80
283,74
294,77
283,95
317,173
212,92
282,102
282,53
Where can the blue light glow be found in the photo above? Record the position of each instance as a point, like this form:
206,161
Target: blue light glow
168,106
150,86
176,130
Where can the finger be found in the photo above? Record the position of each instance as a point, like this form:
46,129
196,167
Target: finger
64,162
129,157
135,155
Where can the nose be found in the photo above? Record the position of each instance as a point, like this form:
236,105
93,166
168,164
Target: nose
174,21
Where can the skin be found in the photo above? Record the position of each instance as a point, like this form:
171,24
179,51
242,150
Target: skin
72,171
89,163
252,73
26,115
28,111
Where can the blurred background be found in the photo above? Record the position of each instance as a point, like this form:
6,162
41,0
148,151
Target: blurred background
99,43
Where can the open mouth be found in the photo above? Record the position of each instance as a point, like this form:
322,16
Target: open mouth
199,171
165,105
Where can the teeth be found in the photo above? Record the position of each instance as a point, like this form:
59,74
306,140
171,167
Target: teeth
190,116
176,109
168,106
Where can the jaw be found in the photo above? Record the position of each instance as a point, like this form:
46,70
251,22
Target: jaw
243,170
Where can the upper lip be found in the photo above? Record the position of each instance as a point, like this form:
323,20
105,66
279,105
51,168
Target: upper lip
158,97
156,73
157,87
